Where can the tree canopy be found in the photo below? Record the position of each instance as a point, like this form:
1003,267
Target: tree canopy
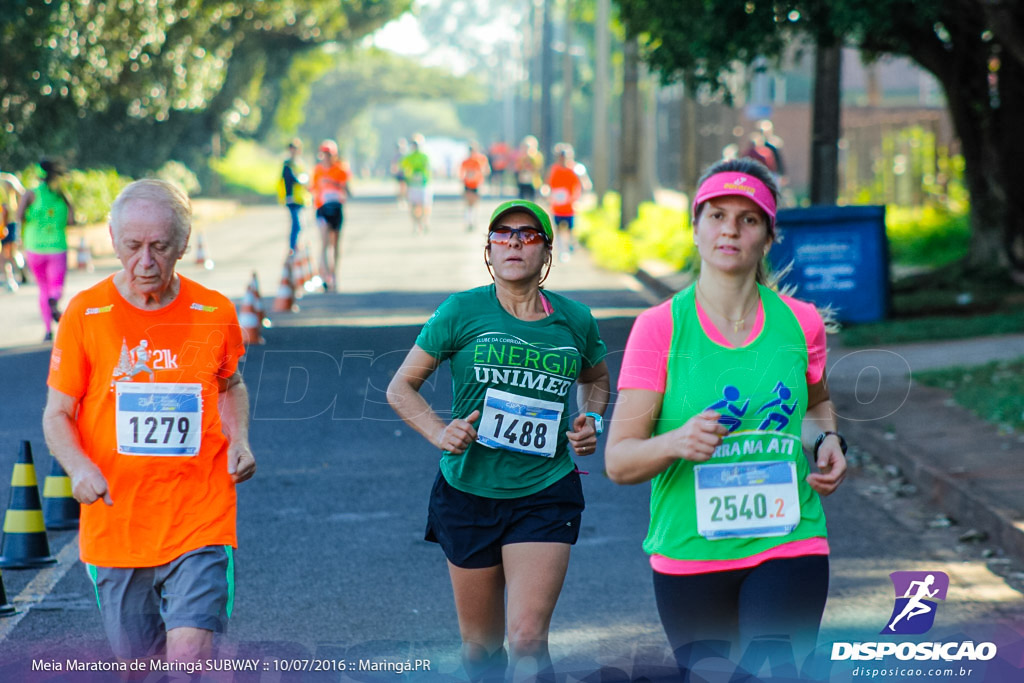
129,83
975,48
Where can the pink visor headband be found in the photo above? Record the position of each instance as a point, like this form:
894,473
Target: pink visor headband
733,183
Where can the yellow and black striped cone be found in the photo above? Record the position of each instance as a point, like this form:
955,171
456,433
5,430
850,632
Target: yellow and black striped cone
6,609
25,543
60,509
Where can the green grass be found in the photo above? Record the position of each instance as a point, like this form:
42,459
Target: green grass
248,169
994,392
931,328
927,235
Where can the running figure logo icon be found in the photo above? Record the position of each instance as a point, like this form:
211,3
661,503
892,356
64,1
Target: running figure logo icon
916,595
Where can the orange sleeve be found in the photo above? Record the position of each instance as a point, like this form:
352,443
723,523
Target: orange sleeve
69,366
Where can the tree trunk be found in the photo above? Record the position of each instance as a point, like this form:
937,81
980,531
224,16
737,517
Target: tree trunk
825,127
987,122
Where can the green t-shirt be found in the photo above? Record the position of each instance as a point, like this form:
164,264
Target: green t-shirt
518,374
417,169
46,222
751,495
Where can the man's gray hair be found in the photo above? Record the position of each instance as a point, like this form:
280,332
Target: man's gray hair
160,192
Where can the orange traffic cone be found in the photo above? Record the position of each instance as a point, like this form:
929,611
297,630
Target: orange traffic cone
285,301
249,320
6,609
60,509
311,281
202,257
25,544
261,310
300,266
83,256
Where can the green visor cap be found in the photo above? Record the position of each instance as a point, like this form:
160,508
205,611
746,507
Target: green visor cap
534,210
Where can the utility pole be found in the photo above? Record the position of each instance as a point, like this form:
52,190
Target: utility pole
567,78
546,77
600,167
629,141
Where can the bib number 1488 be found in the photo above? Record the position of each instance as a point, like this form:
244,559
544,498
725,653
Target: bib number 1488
521,432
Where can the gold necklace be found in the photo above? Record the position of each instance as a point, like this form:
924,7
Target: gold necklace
737,325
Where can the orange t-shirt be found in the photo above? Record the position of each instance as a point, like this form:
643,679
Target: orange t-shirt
499,156
330,183
148,417
566,188
473,170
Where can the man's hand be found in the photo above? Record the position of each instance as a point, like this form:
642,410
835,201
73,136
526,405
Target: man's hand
89,485
241,463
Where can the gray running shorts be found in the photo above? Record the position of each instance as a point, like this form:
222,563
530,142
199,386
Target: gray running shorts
139,605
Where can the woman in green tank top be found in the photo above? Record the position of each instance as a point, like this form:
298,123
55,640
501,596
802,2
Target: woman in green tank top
720,391
44,214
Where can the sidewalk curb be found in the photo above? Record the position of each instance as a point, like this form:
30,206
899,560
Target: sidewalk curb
653,284
967,508
942,489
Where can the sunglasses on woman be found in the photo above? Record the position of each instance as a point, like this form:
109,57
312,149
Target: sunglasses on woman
502,234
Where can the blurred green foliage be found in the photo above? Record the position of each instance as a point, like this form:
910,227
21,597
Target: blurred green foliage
92,191
248,169
134,84
658,233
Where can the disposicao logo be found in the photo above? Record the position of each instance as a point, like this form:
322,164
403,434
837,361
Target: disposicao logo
915,607
913,613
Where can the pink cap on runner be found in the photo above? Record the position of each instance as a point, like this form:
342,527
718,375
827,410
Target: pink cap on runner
734,183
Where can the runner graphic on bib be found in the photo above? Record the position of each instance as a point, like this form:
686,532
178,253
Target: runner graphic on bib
154,418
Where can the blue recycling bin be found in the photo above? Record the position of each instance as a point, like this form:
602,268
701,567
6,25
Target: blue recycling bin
839,257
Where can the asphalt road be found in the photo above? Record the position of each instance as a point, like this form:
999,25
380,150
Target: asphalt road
332,565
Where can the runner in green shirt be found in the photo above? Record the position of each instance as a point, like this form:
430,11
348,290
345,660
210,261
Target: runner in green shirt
416,167
721,388
507,502
45,213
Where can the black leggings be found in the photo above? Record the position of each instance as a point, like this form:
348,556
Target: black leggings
778,600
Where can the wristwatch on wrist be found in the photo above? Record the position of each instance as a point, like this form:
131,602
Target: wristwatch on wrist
824,435
598,423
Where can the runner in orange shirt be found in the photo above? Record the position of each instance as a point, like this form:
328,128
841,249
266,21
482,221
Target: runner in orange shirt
473,171
498,156
148,415
330,192
564,188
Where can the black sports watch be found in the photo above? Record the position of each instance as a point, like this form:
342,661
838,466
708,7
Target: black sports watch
824,435
598,423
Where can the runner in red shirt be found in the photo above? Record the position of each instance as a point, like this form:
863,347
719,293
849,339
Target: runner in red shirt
330,192
564,188
499,155
473,171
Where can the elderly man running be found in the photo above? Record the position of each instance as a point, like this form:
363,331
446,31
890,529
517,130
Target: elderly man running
153,457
